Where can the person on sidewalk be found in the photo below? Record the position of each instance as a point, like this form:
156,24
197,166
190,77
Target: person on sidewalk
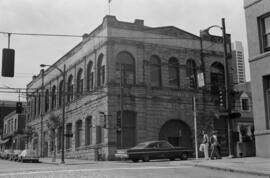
214,146
205,143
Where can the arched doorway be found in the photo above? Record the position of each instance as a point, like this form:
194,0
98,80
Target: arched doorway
177,133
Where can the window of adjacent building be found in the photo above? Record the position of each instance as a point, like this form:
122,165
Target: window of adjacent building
69,138
78,134
245,104
98,134
191,73
35,104
60,99
39,103
80,83
174,72
266,88
15,124
217,77
264,30
100,71
59,139
88,131
46,100
155,71
90,76
53,101
70,88
125,68
52,139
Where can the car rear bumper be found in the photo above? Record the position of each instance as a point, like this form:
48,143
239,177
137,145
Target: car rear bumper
121,155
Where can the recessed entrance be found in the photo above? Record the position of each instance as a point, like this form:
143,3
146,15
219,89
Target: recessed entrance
177,133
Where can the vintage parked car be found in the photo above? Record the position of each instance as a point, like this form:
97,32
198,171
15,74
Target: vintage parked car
28,155
154,150
15,155
6,154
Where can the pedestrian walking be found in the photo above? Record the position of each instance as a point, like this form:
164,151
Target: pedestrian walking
215,146
205,143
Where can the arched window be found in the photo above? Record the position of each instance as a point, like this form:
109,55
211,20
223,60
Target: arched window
46,100
217,77
100,71
78,133
69,138
125,63
88,130
155,71
53,101
191,73
174,72
35,104
80,83
61,87
70,89
90,76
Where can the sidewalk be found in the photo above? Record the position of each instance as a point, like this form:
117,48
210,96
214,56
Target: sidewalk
67,161
250,165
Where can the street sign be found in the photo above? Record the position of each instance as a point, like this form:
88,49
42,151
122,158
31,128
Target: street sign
200,80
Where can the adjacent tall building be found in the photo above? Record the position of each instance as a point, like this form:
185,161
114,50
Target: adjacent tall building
127,83
238,63
258,35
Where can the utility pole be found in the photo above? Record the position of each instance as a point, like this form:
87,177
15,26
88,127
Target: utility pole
41,114
121,105
195,124
227,86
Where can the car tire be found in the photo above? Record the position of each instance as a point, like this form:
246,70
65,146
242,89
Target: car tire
146,159
184,156
135,160
172,159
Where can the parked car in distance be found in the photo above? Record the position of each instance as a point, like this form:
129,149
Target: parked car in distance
6,154
28,155
15,155
154,150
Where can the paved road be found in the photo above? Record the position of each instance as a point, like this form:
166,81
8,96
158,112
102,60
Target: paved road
153,169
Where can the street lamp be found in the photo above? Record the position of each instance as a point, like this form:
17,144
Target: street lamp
63,72
227,79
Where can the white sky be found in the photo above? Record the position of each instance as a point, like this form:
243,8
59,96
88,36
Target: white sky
82,16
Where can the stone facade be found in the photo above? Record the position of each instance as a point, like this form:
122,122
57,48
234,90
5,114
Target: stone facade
256,11
148,112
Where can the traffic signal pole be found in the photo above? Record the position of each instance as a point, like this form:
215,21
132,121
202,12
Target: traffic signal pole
227,86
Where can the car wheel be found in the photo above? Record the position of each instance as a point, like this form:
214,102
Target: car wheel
135,160
172,159
184,156
146,159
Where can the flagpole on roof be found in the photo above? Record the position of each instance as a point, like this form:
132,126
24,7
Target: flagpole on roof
109,3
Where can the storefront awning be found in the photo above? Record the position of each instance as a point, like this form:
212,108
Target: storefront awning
4,141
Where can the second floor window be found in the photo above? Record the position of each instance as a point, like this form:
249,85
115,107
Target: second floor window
70,89
53,101
90,76
174,72
100,71
46,100
191,73
244,104
155,71
264,31
125,68
80,83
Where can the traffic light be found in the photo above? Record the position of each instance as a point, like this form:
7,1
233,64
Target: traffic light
19,107
8,62
118,123
221,99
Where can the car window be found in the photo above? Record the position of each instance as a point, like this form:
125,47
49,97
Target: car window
140,145
165,145
153,145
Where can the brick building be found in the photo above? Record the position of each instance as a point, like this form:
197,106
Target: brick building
157,67
13,132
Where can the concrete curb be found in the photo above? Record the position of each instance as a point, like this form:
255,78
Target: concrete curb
243,171
57,163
